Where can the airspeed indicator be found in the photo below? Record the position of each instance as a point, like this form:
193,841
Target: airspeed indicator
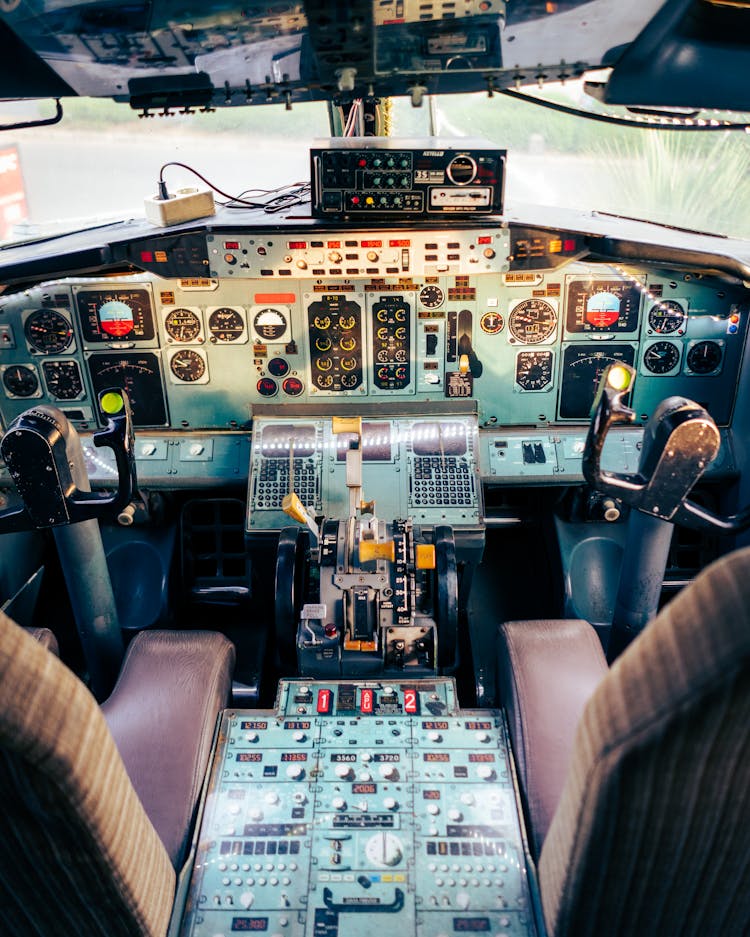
532,321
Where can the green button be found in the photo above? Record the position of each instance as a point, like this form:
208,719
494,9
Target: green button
111,402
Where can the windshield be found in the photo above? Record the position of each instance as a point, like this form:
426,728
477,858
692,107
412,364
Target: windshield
102,160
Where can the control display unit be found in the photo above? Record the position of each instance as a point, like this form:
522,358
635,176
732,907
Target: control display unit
357,806
390,178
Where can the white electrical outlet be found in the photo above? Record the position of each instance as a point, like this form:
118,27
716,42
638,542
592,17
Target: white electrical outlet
184,205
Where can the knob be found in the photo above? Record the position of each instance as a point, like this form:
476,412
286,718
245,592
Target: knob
433,809
483,736
271,797
390,803
338,803
334,257
366,756
467,798
148,448
372,256
251,737
388,771
256,814
300,797
302,264
486,772
295,772
197,448
344,772
463,900
455,815
299,737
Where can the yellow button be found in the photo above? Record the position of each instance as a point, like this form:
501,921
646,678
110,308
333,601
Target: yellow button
111,402
425,556
346,424
372,550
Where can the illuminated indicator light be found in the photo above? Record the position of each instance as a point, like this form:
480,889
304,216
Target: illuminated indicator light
485,239
368,201
366,701
231,245
296,245
334,243
262,251
734,318
732,329
555,247
569,245
355,200
147,257
324,701
410,700
400,243
160,257
285,298
372,243
618,378
362,162
111,402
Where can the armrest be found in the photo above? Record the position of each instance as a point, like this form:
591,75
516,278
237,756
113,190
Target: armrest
547,671
162,714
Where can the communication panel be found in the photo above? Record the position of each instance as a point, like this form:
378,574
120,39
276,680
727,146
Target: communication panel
361,806
426,469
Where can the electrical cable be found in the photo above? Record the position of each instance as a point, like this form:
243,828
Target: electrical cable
285,196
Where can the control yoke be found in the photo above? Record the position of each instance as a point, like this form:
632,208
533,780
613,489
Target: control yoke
680,441
44,456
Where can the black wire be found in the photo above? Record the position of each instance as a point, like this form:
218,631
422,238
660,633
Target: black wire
619,121
298,192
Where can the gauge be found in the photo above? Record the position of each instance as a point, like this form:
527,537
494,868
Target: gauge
63,379
187,366
661,357
116,315
227,325
533,369
182,325
48,331
667,316
384,849
267,387
532,321
278,367
595,305
492,323
704,358
292,386
583,366
431,296
269,324
137,373
20,381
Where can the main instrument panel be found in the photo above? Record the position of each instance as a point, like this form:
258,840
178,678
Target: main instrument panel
516,328
357,806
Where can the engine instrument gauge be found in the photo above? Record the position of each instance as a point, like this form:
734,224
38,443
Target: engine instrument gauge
704,358
188,366
63,379
118,315
661,357
182,325
270,324
20,381
226,324
532,321
533,369
667,316
595,305
431,296
139,374
583,366
48,331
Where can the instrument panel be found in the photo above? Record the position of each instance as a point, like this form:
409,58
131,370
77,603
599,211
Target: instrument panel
412,318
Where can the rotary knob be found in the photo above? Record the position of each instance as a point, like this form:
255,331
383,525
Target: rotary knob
345,772
334,257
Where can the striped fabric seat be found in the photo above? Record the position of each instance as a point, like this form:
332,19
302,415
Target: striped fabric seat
652,832
78,857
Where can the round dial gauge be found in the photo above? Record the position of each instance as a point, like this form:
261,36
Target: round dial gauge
666,317
227,325
187,365
48,331
532,321
269,324
384,849
704,357
533,369
661,357
20,381
182,325
63,379
431,296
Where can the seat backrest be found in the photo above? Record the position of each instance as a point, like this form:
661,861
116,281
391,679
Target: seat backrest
652,832
79,855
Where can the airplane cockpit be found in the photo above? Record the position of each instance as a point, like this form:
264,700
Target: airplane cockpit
373,540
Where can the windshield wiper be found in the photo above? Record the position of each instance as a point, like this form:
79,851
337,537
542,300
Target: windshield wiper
659,224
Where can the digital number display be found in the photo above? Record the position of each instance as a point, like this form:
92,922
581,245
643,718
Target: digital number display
361,788
481,757
439,439
478,726
385,756
116,315
602,306
249,923
343,756
431,725
472,925
430,795
249,756
293,756
253,725
296,725
436,756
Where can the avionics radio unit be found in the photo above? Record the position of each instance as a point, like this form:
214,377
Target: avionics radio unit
387,178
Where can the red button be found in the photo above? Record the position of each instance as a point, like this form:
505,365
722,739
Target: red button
366,701
325,698
410,700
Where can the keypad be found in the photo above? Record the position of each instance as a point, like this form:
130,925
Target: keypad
442,481
272,483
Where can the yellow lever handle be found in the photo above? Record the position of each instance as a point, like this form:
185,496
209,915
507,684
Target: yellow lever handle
347,424
292,506
372,550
